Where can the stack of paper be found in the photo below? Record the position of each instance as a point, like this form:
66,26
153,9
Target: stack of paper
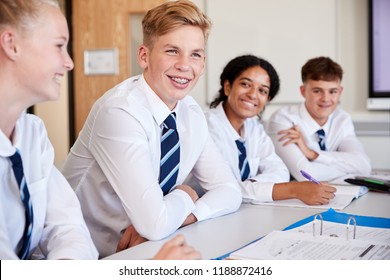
335,243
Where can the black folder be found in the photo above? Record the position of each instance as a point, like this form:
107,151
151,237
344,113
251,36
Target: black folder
372,183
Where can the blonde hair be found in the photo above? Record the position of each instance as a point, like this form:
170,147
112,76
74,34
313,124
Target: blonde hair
172,15
22,13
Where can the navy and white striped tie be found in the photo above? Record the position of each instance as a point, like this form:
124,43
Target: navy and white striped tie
170,154
243,161
321,139
17,166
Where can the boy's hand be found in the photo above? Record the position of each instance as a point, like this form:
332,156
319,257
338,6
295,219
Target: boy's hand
177,249
293,136
190,191
130,238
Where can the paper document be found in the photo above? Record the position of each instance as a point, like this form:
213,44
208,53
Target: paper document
286,245
301,244
333,229
344,196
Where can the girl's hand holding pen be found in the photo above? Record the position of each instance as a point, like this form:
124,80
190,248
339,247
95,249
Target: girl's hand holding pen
314,194
319,193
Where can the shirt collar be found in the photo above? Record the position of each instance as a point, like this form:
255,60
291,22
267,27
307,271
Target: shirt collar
232,132
159,109
310,123
7,148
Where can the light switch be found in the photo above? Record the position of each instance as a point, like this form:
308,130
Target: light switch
101,62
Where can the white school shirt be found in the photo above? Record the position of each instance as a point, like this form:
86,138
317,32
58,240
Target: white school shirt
344,155
59,228
266,168
115,164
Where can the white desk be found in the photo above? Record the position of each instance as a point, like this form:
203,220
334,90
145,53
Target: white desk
216,237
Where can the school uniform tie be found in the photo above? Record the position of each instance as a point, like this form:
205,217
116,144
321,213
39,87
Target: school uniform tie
170,154
242,160
17,167
321,139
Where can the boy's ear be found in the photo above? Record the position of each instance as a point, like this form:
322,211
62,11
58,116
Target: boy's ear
143,52
302,89
8,44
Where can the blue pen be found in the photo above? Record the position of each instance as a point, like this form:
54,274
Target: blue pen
308,177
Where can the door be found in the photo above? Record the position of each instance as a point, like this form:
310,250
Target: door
101,24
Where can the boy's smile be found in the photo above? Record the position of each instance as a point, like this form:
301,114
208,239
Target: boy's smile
321,98
174,63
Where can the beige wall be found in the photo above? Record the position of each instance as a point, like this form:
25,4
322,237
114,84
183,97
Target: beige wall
56,117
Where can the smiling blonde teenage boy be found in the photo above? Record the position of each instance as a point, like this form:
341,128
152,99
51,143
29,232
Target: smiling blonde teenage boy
317,136
114,166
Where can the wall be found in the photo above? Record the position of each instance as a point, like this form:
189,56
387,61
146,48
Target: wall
353,46
349,21
56,117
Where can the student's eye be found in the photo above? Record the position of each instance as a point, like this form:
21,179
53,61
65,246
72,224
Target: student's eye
171,51
244,84
197,55
264,91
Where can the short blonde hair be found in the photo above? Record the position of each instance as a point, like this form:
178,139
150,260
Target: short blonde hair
172,15
21,13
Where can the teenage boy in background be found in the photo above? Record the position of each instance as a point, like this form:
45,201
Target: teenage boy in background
317,136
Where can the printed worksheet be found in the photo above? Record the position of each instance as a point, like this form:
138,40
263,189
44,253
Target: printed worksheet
302,245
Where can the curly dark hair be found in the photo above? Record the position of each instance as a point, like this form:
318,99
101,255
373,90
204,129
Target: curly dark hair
236,66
